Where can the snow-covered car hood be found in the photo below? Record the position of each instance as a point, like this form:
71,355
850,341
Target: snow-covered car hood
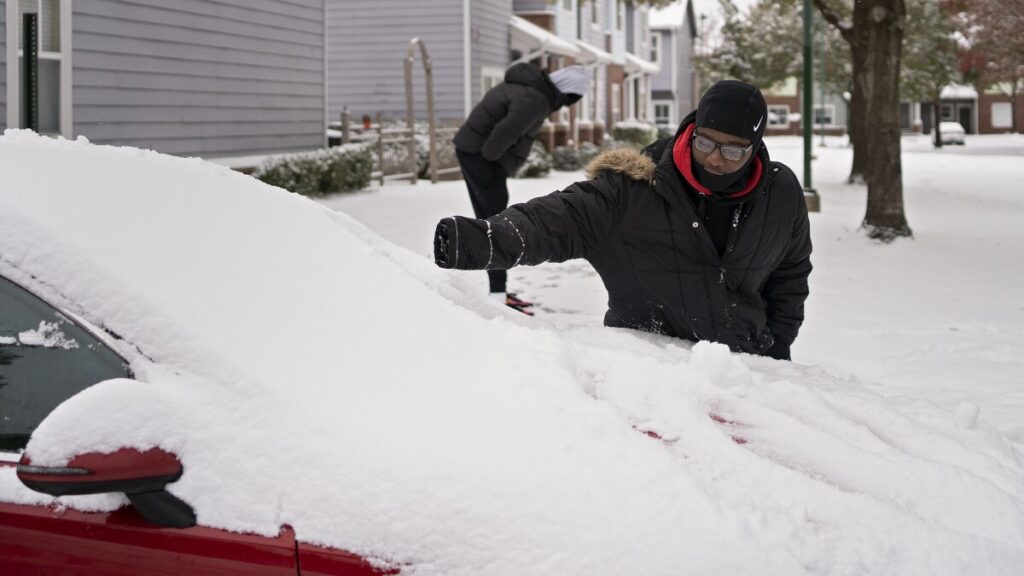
307,372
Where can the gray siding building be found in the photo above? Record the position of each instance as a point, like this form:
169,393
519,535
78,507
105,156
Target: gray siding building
368,40
3,64
673,31
190,77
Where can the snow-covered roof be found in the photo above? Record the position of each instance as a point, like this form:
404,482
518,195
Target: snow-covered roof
636,64
592,53
671,16
529,38
959,92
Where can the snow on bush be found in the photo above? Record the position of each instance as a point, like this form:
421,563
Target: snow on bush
340,169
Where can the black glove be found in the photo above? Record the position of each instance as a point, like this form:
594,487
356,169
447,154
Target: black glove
779,351
442,247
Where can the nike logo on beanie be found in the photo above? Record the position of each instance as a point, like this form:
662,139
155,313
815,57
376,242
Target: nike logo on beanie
758,125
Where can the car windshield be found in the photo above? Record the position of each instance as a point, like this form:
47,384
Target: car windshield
45,358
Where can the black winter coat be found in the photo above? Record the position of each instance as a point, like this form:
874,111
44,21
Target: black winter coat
502,126
663,274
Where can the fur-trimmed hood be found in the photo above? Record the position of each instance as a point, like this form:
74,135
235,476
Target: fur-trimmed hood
632,163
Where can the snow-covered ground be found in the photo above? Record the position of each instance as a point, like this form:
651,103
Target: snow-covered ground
939,317
308,372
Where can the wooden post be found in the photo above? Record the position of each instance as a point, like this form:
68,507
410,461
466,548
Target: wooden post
410,117
380,147
428,69
410,113
346,129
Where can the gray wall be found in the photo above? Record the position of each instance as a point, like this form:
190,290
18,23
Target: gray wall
489,38
666,49
686,73
3,64
367,43
197,77
596,36
533,6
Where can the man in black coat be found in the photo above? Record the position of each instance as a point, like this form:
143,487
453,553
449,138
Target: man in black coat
700,236
496,139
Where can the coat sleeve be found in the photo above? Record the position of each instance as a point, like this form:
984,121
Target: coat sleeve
563,225
786,288
523,112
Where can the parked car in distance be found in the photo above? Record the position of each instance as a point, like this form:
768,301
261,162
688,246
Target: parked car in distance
951,133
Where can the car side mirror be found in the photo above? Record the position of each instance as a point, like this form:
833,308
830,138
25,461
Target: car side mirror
141,476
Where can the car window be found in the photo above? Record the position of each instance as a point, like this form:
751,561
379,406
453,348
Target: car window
45,358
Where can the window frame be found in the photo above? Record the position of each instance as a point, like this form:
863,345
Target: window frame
830,113
655,43
493,73
771,123
1008,107
64,57
669,107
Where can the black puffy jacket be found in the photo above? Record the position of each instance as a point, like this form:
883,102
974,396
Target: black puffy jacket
502,126
633,223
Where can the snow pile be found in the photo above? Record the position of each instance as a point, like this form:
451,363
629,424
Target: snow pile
309,373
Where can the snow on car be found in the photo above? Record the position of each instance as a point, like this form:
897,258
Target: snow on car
295,373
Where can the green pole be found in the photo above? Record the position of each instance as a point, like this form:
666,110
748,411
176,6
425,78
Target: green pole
810,195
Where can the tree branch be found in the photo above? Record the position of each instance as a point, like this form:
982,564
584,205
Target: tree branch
833,18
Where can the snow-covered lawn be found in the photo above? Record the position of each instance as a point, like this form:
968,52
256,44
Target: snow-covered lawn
939,317
308,372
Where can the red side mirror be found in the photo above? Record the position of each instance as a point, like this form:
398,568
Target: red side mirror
142,476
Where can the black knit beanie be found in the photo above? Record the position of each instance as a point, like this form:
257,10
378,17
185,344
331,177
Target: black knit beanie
735,108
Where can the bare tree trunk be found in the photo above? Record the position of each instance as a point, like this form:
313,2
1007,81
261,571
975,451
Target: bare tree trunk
858,116
936,119
879,26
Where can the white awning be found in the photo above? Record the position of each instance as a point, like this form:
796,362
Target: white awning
592,54
958,92
637,65
533,41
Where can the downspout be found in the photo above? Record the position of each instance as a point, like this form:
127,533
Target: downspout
13,82
327,103
67,102
467,60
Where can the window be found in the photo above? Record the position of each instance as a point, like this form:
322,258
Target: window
567,5
45,358
663,114
490,76
656,47
595,18
778,116
1002,115
50,71
825,115
620,14
947,112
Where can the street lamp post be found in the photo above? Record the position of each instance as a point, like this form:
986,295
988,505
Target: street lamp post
810,195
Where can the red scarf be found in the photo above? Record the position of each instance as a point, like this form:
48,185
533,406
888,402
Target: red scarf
682,157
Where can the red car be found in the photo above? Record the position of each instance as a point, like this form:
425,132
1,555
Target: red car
156,534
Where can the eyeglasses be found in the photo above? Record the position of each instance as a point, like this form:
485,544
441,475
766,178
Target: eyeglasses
730,153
